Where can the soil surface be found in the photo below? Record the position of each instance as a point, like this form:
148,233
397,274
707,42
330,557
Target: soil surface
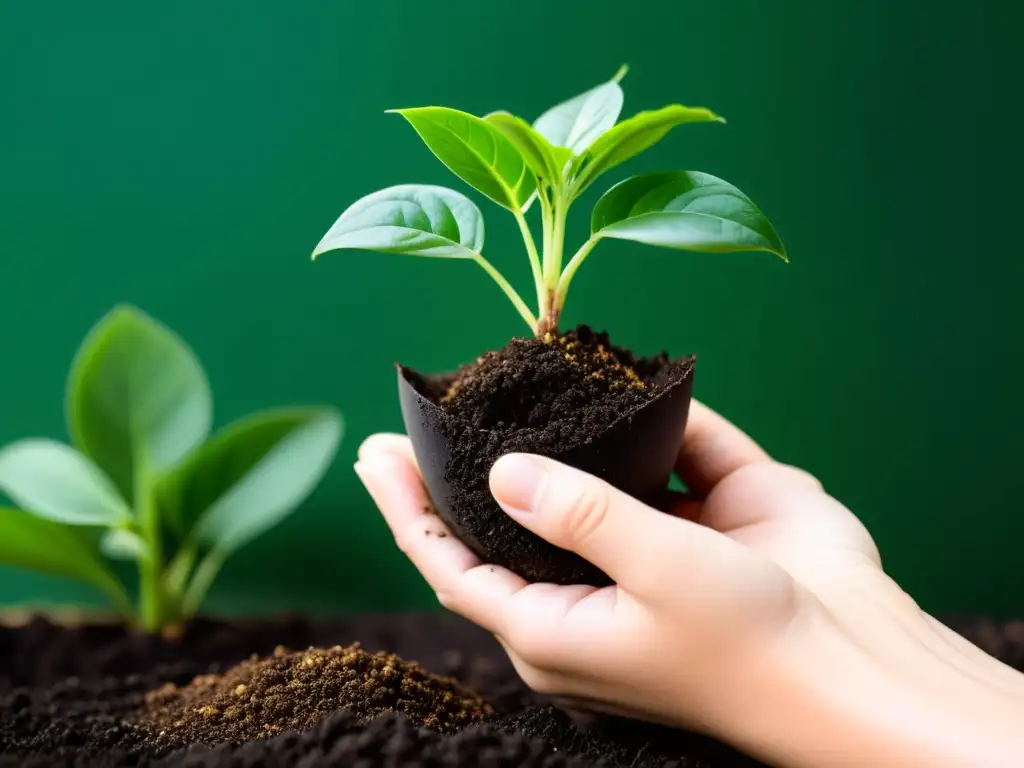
544,396
98,717
264,696
578,380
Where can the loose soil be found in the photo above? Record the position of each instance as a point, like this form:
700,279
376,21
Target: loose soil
544,396
264,696
577,379
569,387
96,719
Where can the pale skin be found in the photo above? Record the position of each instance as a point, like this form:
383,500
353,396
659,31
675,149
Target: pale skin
758,612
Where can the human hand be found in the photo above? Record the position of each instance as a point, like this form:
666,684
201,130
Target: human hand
756,611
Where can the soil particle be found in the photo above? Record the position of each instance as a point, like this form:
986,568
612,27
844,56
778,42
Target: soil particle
262,697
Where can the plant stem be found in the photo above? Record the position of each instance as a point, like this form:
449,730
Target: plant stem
554,243
531,250
180,569
570,270
204,576
514,297
151,610
553,248
543,294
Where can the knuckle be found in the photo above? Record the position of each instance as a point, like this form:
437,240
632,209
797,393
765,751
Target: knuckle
585,512
446,599
801,476
779,475
531,645
403,543
536,680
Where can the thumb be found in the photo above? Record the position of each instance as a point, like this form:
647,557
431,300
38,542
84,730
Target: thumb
585,515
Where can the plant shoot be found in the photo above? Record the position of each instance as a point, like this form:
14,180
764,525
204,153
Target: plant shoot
145,482
548,164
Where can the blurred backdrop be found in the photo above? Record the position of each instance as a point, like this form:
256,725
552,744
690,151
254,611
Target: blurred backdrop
187,156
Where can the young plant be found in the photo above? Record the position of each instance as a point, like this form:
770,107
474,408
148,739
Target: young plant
145,482
552,162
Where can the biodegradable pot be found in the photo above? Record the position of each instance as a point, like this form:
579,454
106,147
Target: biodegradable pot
635,453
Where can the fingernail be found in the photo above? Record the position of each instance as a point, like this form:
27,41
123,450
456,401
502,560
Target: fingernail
516,480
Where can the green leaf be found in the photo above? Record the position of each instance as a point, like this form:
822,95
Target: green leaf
415,219
250,475
27,541
53,480
575,124
476,152
122,544
546,161
138,399
631,137
686,210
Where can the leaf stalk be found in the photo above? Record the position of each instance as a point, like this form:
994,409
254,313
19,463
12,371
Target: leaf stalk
570,270
531,249
151,602
510,292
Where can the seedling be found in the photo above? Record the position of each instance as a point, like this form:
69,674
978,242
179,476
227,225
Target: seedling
552,162
144,481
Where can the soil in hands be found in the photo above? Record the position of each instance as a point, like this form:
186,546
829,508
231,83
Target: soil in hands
538,395
262,697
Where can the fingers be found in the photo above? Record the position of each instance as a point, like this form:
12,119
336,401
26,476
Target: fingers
387,443
536,619
713,448
760,493
463,584
575,511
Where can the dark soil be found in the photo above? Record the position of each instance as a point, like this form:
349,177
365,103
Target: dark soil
95,720
544,396
577,380
567,387
98,720
264,696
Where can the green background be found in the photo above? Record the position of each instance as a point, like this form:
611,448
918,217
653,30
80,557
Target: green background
187,156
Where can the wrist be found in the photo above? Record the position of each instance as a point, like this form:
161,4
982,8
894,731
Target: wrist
827,701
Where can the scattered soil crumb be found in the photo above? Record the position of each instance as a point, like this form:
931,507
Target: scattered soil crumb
265,696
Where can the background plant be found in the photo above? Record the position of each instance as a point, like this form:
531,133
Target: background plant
551,163
143,480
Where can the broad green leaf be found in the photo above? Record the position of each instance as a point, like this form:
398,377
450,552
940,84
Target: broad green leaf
631,137
476,152
138,400
250,475
122,544
546,161
686,210
575,124
27,541
53,480
416,219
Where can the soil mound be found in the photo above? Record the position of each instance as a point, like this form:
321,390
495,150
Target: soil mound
290,691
